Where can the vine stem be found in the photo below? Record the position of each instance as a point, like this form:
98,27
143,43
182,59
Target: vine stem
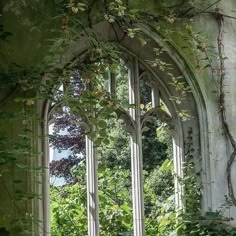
208,7
220,21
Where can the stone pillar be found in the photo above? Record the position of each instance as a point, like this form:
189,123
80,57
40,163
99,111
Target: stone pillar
44,162
136,152
155,97
92,188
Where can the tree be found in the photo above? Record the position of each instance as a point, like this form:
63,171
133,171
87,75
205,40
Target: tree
114,171
114,187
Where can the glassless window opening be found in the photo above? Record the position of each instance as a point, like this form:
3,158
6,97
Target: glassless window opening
135,114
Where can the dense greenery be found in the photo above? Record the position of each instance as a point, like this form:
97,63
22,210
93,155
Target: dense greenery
69,201
69,208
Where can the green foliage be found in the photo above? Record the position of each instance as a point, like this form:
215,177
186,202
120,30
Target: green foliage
69,203
68,210
115,188
115,201
112,155
159,198
69,214
161,216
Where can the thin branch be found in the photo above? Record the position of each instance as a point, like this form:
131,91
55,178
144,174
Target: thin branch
227,16
185,12
224,15
211,5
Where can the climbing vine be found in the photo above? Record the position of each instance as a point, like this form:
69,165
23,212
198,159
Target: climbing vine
222,107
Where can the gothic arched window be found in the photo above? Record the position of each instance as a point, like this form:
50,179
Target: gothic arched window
144,79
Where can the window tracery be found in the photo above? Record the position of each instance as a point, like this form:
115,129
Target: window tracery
134,116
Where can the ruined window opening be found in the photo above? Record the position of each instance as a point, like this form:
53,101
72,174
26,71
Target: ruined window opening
145,111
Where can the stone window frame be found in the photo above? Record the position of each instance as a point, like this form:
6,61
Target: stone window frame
194,104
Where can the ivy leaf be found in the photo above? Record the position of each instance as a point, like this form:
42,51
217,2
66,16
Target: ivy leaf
102,124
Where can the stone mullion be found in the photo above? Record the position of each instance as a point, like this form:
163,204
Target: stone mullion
136,152
92,184
92,188
155,97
